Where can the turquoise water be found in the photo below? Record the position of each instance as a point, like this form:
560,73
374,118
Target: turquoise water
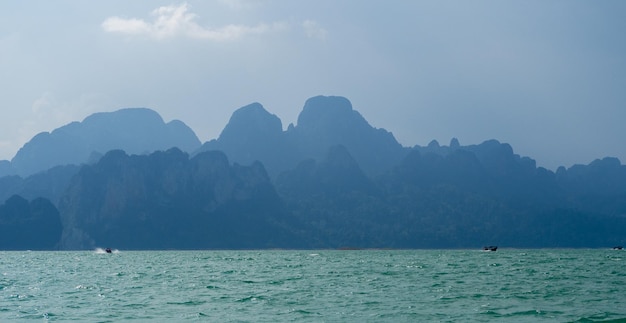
316,286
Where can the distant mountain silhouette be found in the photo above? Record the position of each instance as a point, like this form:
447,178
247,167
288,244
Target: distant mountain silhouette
325,121
330,181
598,188
134,130
458,197
254,134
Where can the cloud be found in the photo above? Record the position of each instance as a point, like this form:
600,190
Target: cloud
313,30
127,26
177,21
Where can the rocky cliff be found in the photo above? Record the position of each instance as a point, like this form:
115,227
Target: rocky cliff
166,200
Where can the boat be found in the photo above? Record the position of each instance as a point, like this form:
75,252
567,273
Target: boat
618,248
108,250
490,248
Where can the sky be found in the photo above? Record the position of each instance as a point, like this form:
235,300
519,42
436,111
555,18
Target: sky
546,77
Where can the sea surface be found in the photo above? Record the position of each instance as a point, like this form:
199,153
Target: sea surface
508,285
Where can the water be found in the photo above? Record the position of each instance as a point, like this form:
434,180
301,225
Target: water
315,286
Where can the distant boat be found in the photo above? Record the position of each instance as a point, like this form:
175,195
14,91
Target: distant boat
618,248
490,248
108,250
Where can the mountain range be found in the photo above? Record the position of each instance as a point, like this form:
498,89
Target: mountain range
136,131
254,134
129,180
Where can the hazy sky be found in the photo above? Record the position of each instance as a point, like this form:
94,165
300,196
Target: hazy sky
547,77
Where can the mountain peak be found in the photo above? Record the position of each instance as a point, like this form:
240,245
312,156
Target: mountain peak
251,121
124,115
134,130
325,109
252,134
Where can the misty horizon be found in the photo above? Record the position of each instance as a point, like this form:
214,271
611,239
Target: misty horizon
286,126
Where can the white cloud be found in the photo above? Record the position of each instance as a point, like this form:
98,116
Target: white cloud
173,21
313,30
128,26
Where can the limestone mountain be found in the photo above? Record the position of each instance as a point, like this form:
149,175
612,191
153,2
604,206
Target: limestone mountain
134,130
330,181
325,121
254,134
167,201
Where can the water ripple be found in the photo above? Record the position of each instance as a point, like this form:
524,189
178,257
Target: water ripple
321,285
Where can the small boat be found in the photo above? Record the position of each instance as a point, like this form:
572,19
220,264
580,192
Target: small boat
490,248
618,248
108,250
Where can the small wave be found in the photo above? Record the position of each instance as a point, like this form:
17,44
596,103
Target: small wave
250,299
601,317
103,251
304,312
84,287
187,303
